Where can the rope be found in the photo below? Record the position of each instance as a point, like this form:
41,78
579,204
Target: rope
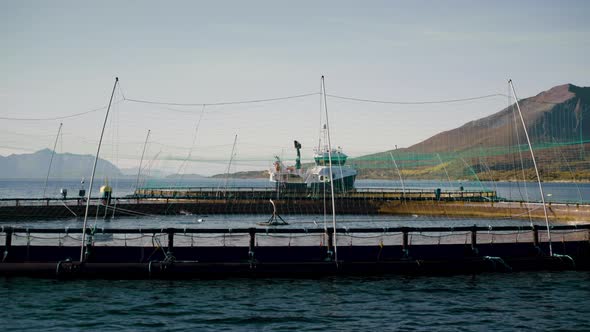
417,102
497,260
444,235
380,235
566,257
220,103
61,117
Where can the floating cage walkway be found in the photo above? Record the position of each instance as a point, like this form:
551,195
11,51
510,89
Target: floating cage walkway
254,252
16,209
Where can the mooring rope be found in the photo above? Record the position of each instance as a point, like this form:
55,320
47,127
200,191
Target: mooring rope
497,260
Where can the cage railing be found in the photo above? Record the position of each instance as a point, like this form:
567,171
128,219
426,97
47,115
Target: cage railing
273,236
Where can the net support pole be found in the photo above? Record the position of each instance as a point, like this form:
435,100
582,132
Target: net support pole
536,168
94,172
51,160
332,194
399,173
141,160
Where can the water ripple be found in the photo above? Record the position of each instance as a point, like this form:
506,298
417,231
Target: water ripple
495,302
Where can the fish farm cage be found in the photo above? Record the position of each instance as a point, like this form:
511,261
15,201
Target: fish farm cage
270,251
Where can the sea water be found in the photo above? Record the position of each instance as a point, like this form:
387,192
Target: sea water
571,192
533,301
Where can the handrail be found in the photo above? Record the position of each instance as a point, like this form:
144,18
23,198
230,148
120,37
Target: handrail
258,230
272,189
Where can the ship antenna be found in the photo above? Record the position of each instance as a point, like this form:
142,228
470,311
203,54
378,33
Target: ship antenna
536,169
51,160
82,258
331,174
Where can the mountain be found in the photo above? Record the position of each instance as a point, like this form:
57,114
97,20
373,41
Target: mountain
185,176
145,172
65,165
243,175
561,114
494,147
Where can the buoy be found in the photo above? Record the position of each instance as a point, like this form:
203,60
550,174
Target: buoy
82,191
106,189
107,192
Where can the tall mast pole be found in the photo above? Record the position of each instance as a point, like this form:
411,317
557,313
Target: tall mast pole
51,160
94,171
398,173
231,159
331,174
536,169
141,161
445,169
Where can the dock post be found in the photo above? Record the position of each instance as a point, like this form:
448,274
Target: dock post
170,232
536,236
405,243
474,239
8,242
89,240
329,234
252,232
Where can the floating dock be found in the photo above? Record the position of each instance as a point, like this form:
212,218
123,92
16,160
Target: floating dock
173,253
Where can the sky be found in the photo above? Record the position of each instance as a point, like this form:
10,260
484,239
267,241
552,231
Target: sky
60,58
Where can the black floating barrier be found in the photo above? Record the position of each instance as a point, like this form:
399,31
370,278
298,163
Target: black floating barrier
251,260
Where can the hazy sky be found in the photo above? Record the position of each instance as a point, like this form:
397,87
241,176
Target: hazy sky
61,57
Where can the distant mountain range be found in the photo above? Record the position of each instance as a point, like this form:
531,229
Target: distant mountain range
150,173
560,114
494,147
490,148
185,176
71,166
243,175
65,165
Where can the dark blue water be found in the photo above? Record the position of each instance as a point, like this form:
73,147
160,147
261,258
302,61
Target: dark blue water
498,302
536,301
